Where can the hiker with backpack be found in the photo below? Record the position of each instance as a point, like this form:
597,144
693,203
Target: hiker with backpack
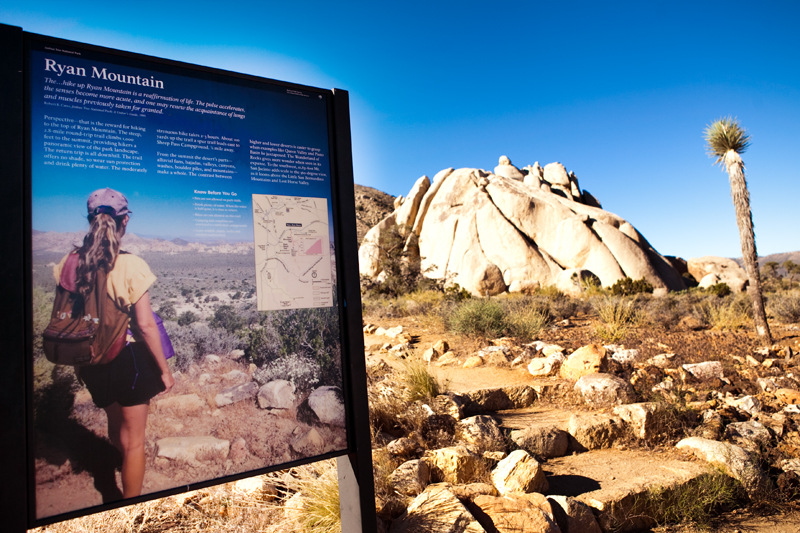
103,292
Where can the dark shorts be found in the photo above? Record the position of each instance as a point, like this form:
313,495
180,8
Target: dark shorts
132,378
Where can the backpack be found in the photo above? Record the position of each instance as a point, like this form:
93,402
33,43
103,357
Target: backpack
81,326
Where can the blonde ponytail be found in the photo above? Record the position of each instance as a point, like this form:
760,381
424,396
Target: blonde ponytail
100,249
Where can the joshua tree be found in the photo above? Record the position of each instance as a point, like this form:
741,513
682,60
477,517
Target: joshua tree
726,140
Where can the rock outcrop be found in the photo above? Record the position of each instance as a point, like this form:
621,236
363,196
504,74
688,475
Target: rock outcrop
514,230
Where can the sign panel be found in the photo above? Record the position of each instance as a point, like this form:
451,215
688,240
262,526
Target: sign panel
219,188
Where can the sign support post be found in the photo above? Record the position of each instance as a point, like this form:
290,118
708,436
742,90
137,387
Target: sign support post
356,483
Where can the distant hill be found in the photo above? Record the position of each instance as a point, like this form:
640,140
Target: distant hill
778,258
372,206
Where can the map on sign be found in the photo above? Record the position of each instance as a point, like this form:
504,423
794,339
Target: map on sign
293,257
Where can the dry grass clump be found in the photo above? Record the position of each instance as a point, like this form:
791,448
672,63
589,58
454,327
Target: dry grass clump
785,307
419,383
726,314
696,502
618,317
314,506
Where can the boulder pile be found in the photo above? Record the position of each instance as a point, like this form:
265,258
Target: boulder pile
515,230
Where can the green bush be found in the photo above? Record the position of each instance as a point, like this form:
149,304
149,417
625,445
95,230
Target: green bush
419,383
527,319
719,290
227,318
186,318
628,287
477,317
167,310
618,315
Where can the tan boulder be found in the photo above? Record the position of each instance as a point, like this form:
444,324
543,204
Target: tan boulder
590,359
473,361
507,170
455,464
512,514
519,472
724,270
556,174
436,510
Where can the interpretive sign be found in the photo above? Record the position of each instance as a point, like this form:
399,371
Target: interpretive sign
203,207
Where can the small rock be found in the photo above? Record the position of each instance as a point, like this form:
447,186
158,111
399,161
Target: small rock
604,390
411,477
193,450
482,431
236,354
402,447
235,375
429,355
546,366
706,370
519,472
309,443
473,361
471,490
577,516
328,404
625,357
369,329
768,385
589,359
183,405
449,405
662,360
594,431
747,404
789,396
239,451
441,346
750,435
393,332
642,418
212,359
446,358
542,441
236,394
277,394
249,485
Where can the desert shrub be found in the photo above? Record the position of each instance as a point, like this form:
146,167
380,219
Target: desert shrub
719,290
477,317
227,318
695,502
305,333
729,313
628,287
419,383
618,317
318,487
186,318
197,340
664,312
785,307
167,310
303,372
525,319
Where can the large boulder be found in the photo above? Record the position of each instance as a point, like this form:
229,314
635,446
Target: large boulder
328,404
512,514
512,232
710,270
436,510
519,472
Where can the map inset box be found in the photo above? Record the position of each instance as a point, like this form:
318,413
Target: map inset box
293,254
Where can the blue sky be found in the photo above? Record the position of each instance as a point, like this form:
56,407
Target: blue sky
618,92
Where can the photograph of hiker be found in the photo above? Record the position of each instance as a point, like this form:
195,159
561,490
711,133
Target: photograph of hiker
199,337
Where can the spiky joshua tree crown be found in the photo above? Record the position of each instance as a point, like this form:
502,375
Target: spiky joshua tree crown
724,135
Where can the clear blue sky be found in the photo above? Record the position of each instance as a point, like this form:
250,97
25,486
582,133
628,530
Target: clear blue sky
618,92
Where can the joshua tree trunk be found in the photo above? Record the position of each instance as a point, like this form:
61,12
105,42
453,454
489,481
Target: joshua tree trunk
744,218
